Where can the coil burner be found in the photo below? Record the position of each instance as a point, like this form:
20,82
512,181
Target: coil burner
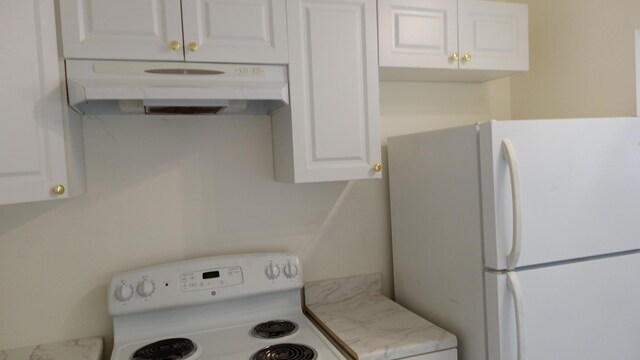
286,352
167,349
274,329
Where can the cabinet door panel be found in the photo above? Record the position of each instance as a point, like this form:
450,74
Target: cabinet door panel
334,89
494,34
32,154
121,29
418,33
246,31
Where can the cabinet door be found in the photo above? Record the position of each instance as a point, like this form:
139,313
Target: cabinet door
245,31
122,29
334,120
418,33
495,35
32,153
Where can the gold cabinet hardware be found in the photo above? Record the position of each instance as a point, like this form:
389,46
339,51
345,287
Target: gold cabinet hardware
377,167
454,57
466,57
194,46
58,189
174,45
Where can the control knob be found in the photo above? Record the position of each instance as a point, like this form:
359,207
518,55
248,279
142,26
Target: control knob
145,288
123,292
290,270
272,271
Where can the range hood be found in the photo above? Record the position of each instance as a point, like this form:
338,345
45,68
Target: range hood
132,87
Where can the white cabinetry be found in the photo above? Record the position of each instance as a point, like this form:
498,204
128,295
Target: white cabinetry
418,33
40,146
246,31
121,29
488,37
252,31
495,36
331,130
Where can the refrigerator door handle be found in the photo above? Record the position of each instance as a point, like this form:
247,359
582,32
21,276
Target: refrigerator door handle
509,153
516,290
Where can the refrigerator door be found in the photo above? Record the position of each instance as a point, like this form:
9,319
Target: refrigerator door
579,188
585,310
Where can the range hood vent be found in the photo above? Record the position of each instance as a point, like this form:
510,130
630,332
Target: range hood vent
127,87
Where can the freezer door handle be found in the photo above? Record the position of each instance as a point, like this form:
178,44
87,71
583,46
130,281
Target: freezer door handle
509,153
516,290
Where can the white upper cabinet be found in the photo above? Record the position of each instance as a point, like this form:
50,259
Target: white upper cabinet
418,33
454,34
331,130
121,29
247,31
253,31
38,143
494,35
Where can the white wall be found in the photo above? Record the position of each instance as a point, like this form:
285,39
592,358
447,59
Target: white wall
165,189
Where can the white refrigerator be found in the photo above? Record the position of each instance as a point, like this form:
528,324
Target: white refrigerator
522,237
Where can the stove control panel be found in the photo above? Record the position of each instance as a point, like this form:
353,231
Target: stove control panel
211,278
203,280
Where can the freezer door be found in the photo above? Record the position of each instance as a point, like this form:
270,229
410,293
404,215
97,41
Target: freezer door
579,186
585,310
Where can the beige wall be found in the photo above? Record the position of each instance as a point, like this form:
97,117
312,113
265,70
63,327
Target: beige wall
165,189
412,107
582,60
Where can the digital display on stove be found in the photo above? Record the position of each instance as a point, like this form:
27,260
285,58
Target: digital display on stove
210,275
211,278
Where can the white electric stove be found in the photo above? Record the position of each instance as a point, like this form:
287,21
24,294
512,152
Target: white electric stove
225,308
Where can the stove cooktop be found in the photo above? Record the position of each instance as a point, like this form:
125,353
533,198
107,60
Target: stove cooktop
239,342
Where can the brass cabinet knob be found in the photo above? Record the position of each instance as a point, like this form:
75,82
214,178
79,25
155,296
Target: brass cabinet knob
466,57
454,57
377,167
194,46
174,45
58,189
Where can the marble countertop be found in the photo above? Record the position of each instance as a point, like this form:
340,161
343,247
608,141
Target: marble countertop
80,349
368,324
